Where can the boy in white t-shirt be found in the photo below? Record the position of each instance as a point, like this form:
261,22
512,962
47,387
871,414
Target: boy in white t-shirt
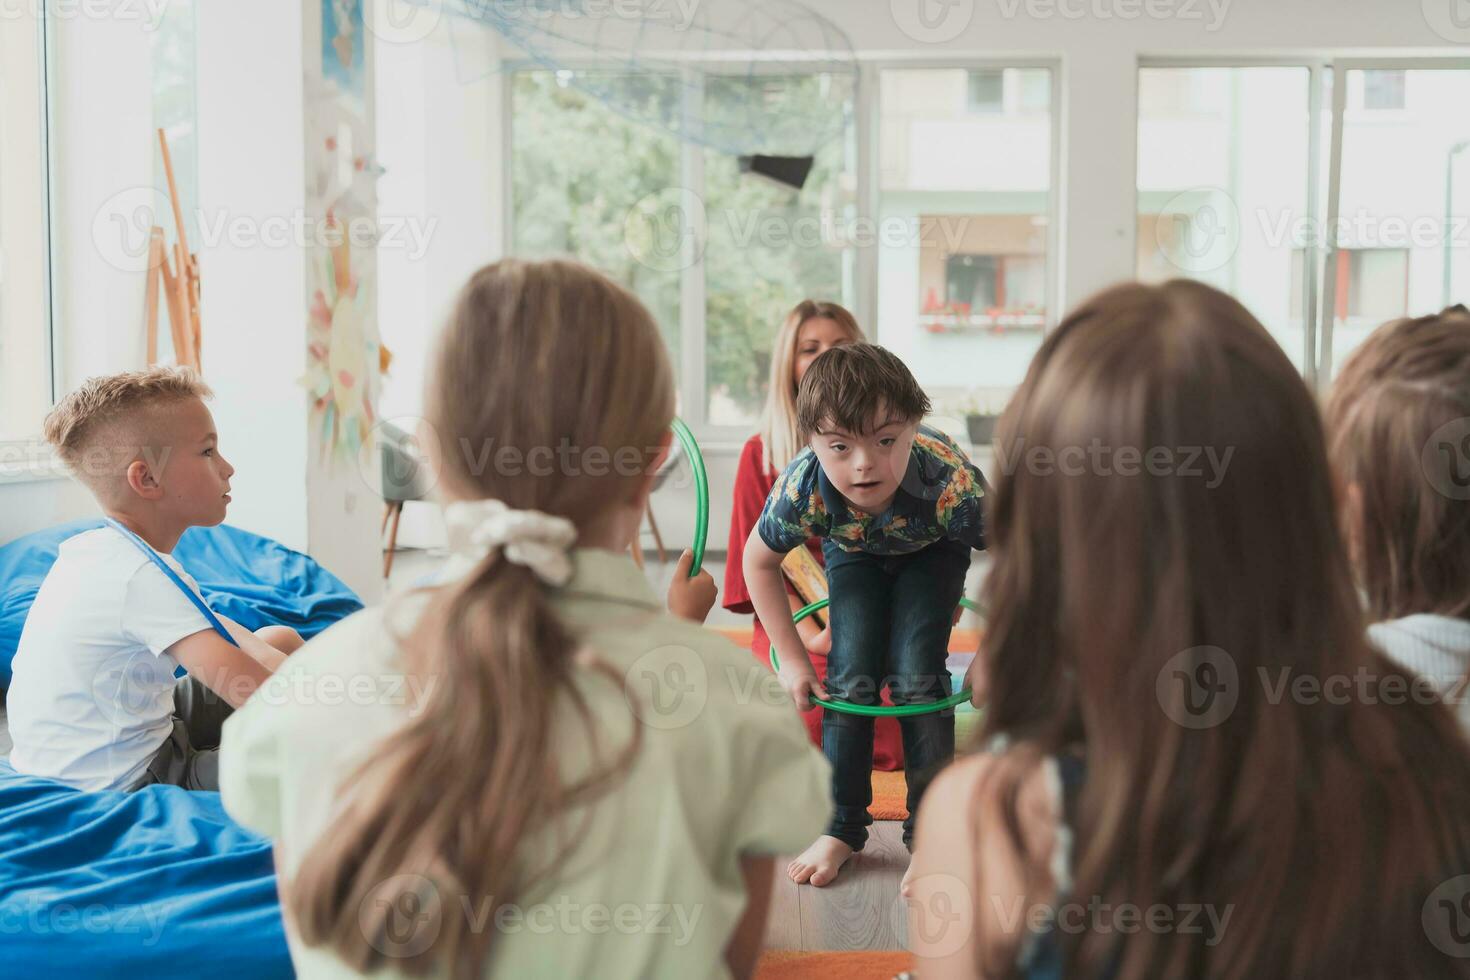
94,701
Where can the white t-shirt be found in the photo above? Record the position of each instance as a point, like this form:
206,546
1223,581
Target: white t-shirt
652,888
92,696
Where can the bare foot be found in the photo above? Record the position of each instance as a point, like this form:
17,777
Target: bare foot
818,864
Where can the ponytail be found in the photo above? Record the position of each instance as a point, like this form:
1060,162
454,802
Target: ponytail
435,822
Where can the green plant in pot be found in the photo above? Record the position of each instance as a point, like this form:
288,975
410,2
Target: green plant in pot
981,410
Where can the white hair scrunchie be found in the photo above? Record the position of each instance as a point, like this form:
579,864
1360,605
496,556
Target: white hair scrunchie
538,541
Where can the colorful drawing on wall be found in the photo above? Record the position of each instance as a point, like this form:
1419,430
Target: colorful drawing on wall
345,358
343,58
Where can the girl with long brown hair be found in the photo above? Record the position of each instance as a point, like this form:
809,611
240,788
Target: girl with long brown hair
1398,421
529,769
1196,765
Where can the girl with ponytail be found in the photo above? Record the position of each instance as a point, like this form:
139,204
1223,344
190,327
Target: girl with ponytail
534,770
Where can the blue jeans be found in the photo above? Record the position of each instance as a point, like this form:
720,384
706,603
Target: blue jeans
891,618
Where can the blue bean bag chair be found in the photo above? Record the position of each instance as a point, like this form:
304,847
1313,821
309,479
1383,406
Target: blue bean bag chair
156,883
160,882
251,579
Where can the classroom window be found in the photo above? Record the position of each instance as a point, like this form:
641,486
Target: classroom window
1223,183
586,178
770,245
1404,204
964,210
25,324
580,169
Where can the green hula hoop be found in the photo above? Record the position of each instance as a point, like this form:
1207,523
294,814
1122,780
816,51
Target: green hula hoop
877,710
701,492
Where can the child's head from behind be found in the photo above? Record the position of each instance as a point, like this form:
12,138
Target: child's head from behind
858,408
1155,608
1163,486
1398,420
145,441
551,391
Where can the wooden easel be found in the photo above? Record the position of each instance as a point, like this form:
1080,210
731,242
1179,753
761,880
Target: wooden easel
180,281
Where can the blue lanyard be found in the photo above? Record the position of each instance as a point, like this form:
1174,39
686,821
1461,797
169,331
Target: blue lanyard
157,559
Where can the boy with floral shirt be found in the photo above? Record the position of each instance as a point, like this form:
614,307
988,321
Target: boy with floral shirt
899,507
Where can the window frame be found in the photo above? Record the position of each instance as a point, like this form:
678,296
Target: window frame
870,190
693,383
26,457
694,379
693,386
1317,73
1323,195
1322,367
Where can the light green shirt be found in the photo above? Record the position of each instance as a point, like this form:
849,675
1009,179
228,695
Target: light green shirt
654,887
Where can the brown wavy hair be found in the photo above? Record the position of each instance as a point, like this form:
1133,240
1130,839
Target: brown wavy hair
846,387
1323,826
535,355
1407,525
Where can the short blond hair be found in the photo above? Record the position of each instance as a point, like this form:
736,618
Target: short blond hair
100,410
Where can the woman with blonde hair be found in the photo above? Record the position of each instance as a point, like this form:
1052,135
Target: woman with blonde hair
529,769
811,328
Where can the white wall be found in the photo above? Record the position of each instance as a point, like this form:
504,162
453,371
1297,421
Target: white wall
252,171
438,113
30,505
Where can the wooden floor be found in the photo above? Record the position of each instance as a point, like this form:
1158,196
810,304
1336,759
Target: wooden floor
860,910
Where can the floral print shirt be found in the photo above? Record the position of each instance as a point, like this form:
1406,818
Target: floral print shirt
939,497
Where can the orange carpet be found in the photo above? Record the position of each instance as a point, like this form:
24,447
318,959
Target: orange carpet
786,964
890,795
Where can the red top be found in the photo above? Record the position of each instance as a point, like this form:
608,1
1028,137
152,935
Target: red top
752,485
